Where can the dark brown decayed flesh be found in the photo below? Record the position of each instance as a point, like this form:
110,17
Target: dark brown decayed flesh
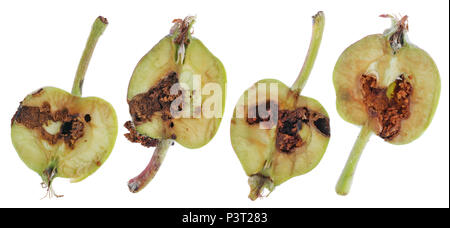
144,105
388,112
321,122
157,98
289,123
135,137
72,127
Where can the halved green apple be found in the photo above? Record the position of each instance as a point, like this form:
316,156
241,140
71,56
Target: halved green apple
277,133
176,92
58,134
387,85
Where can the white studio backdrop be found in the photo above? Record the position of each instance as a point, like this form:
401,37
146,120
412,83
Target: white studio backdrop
41,43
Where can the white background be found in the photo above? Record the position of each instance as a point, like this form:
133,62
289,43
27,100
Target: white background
41,43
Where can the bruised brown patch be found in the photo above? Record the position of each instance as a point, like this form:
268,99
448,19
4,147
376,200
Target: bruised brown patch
135,137
156,99
72,127
388,112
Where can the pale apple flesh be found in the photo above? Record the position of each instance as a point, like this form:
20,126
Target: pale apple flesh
257,144
73,146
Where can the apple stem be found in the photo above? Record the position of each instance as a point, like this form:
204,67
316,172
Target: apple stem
139,182
318,27
97,30
345,180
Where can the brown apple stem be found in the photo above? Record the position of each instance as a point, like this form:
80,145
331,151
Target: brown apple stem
345,180
316,39
257,184
139,182
97,30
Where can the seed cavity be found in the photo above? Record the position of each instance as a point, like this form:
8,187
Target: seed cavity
72,127
156,99
387,109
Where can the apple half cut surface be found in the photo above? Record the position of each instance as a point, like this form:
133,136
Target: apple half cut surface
61,134
276,132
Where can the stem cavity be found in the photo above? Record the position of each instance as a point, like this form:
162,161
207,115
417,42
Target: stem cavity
317,32
97,30
139,182
345,180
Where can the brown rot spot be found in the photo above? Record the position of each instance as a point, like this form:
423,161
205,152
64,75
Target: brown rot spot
387,110
289,124
72,127
263,113
87,118
135,137
156,99
98,163
322,123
